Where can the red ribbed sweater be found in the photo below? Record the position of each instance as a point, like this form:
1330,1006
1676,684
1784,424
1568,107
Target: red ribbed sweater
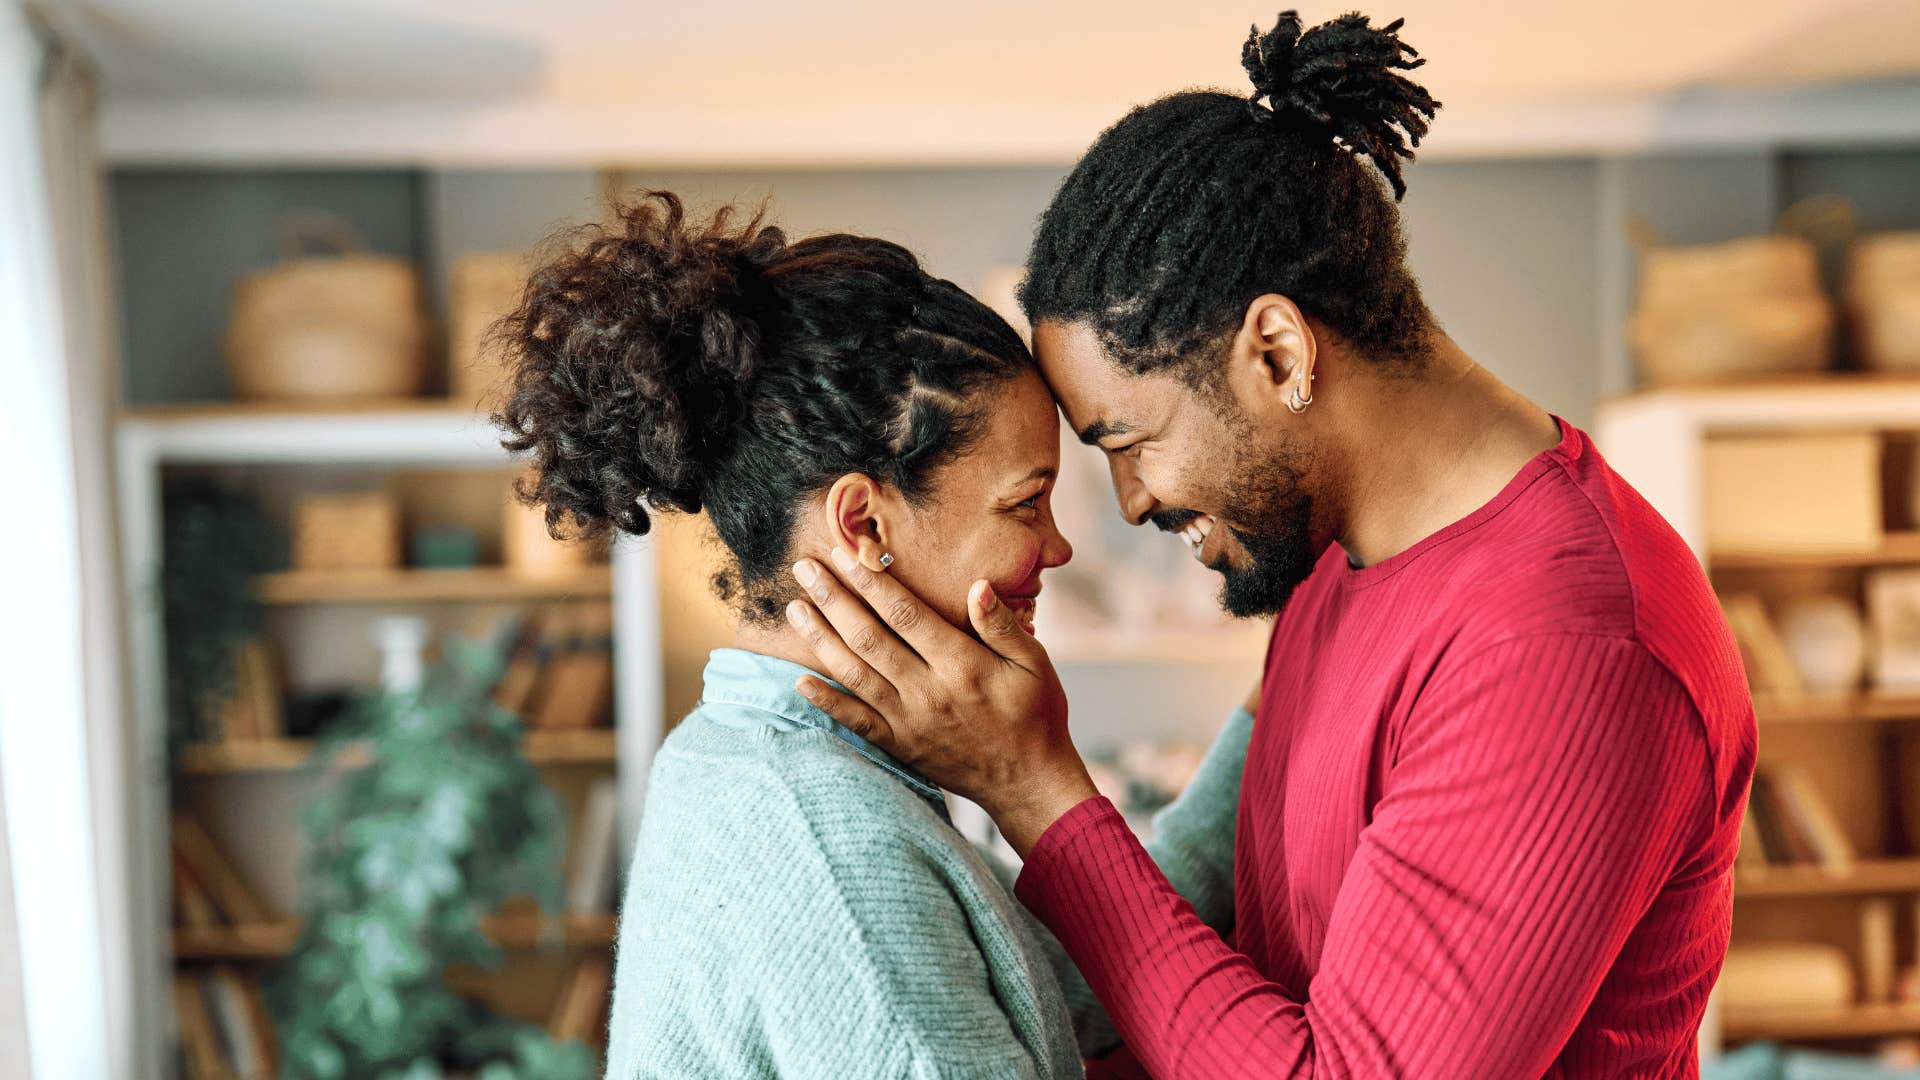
1487,822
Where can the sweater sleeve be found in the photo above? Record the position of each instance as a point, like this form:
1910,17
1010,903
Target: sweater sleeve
905,994
1192,845
1540,795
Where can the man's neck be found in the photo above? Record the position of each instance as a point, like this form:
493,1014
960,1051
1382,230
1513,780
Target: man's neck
1422,451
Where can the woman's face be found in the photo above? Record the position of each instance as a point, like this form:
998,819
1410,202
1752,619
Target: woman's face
989,514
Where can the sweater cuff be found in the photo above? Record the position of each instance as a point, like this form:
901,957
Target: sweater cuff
1077,858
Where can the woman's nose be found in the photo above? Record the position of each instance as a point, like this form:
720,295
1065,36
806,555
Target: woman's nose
1056,551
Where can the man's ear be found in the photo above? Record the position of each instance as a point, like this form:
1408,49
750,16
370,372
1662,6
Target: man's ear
860,517
1274,354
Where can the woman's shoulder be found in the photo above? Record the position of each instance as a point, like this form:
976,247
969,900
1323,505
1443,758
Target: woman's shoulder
763,787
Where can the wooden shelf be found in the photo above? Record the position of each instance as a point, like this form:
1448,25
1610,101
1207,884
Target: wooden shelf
1866,878
463,585
265,941
1896,549
588,746
1852,709
1845,1022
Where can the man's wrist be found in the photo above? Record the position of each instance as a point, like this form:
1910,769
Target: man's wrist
1027,814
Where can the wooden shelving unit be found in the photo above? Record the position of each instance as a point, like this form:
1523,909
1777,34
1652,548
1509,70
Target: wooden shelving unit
1868,877
1821,1025
374,438
266,941
1876,708
1848,748
412,586
591,746
1896,549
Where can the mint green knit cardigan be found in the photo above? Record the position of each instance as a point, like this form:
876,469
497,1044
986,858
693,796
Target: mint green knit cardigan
799,906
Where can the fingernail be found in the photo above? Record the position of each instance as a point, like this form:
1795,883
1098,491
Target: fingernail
806,571
805,687
796,613
988,599
843,558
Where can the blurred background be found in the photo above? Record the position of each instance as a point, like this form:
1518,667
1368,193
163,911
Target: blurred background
319,758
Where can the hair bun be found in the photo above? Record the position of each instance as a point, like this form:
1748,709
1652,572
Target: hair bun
632,352
1342,76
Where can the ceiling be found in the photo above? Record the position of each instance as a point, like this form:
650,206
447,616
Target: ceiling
734,80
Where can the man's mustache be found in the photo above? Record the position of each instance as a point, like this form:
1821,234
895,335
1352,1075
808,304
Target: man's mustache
1172,521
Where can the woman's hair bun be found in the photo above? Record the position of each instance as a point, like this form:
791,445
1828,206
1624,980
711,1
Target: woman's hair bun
1342,77
630,355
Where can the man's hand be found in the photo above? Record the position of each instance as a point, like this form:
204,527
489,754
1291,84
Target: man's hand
987,721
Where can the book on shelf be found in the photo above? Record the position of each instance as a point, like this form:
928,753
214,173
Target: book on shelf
1752,853
1789,822
1771,671
590,877
1879,955
1811,818
205,865
558,670
577,685
525,651
225,1029
581,1008
253,709
199,1044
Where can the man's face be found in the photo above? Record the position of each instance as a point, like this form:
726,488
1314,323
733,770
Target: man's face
1194,464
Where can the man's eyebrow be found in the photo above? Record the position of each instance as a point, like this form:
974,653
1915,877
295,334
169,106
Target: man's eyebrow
1100,429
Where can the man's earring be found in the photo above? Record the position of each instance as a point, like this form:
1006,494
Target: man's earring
886,559
1297,404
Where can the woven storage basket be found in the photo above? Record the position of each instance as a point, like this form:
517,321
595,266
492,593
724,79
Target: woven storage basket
482,287
526,547
347,325
1883,300
1719,312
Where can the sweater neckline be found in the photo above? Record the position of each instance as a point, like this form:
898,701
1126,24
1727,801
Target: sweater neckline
1568,449
763,685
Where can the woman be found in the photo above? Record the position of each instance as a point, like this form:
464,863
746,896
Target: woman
798,904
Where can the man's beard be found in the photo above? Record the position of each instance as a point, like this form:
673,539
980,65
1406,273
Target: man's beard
1275,518
1277,540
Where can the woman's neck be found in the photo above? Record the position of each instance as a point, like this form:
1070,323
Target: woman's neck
781,642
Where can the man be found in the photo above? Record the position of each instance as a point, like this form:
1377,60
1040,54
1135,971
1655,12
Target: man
1491,799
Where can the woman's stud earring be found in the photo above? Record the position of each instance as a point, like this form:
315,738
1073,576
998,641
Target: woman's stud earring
886,560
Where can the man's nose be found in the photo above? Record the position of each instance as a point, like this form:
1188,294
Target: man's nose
1135,501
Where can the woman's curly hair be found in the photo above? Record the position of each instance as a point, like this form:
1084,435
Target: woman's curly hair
1190,207
665,363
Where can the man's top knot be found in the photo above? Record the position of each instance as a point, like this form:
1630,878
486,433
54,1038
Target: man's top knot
1341,78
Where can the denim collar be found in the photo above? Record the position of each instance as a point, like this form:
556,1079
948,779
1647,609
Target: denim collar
765,684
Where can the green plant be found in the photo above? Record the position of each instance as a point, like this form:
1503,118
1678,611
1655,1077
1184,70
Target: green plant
446,822
214,542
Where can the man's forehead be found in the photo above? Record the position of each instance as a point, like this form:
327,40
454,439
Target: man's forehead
1077,371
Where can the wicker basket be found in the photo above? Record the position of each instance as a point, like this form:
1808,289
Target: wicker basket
348,325
1719,312
482,287
526,547
1883,300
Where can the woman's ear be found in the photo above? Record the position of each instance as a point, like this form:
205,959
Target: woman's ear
860,518
1273,356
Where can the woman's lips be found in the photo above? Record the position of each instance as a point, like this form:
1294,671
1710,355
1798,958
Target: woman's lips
1023,608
